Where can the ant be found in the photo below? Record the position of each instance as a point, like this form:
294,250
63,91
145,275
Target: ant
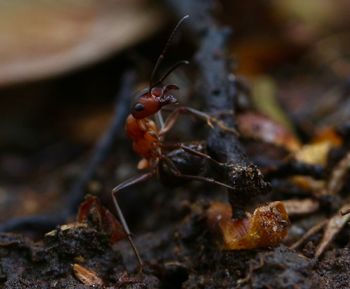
147,138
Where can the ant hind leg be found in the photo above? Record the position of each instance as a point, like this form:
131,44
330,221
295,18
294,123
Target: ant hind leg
115,191
190,150
179,174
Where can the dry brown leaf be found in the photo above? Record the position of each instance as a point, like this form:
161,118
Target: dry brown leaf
86,276
308,183
301,207
43,38
257,126
66,227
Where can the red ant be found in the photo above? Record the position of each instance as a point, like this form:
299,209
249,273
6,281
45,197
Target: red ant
147,138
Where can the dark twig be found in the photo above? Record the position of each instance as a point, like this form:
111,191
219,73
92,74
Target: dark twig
33,223
77,192
292,168
217,86
105,144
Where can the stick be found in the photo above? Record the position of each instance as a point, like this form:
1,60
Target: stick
76,194
217,86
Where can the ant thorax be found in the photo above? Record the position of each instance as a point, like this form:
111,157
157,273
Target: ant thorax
144,135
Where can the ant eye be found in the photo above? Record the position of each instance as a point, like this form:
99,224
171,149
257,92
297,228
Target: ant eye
139,107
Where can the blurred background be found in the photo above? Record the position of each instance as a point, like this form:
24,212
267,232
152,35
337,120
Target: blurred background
61,63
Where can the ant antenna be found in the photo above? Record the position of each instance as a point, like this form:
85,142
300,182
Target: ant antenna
170,70
161,56
159,117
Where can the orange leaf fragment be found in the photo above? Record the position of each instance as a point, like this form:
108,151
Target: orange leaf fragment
328,134
92,211
266,227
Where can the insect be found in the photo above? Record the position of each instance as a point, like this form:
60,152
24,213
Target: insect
148,138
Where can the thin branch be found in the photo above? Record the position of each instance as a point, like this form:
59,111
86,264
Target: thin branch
77,192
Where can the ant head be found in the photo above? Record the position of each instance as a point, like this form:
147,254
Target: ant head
144,105
149,102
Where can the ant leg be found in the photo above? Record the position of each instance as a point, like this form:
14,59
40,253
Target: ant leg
121,186
196,153
160,119
210,120
177,173
170,121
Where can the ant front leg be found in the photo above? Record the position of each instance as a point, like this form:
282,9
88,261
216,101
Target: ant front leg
115,191
210,120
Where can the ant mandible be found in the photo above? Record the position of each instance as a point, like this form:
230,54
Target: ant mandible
147,138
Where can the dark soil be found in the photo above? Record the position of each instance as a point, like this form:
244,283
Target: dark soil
183,256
